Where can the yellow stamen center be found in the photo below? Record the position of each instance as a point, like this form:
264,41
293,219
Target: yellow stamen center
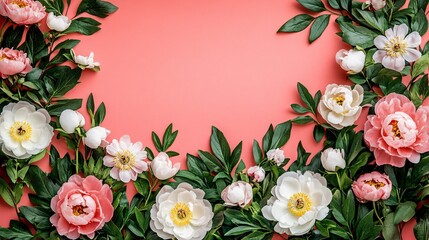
20,131
395,129
375,184
3,56
395,47
20,3
181,214
125,160
78,210
299,204
339,99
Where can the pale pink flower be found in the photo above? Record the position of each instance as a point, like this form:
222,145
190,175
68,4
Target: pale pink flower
81,206
397,131
163,168
70,120
57,23
22,12
96,137
13,62
276,155
352,60
257,172
332,158
376,4
396,47
372,186
125,158
238,194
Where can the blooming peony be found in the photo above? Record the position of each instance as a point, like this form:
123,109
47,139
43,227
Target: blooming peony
22,12
352,61
125,158
333,158
13,62
340,105
24,131
181,213
394,48
57,23
376,4
237,194
163,168
298,201
276,155
96,137
397,131
81,206
372,187
86,62
70,120
258,173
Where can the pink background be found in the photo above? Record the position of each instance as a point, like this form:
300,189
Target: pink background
199,63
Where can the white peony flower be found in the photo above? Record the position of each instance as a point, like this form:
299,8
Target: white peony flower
333,158
376,4
258,173
181,213
340,106
24,131
276,155
396,47
352,61
57,23
70,120
163,168
125,158
96,137
298,201
85,62
238,194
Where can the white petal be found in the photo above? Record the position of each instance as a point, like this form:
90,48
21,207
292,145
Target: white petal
412,55
413,40
380,41
396,64
400,30
334,118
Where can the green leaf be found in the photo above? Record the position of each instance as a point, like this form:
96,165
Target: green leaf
303,119
96,7
100,114
366,228
420,23
195,165
306,97
281,135
157,142
357,35
299,109
349,208
6,193
15,233
419,90
313,5
90,105
421,229
35,45
318,133
334,4
219,145
404,212
297,23
257,152
12,36
37,216
67,44
420,66
235,156
240,230
318,27
372,20
59,80
41,184
169,137
51,6
59,106
113,231
390,229
83,25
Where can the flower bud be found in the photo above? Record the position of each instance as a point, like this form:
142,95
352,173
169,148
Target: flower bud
372,186
257,173
163,168
96,137
237,194
333,158
352,61
276,155
86,62
376,4
57,23
70,120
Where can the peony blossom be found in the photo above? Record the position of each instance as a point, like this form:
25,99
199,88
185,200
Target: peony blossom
396,47
24,131
13,62
238,194
397,131
276,155
163,168
352,61
70,120
181,213
340,105
22,12
372,187
57,23
96,137
333,158
258,173
81,206
298,201
376,4
125,158
86,62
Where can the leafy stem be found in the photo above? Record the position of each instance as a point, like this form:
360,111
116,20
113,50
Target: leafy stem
376,213
77,154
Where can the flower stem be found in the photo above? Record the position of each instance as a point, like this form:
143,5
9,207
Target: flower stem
77,155
376,213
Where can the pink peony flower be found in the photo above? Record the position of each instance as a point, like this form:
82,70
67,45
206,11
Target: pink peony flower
376,4
82,206
22,12
13,62
238,194
257,172
397,132
372,187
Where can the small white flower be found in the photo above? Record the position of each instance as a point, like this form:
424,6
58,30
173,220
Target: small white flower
85,62
96,137
125,158
57,23
181,213
352,61
340,105
396,47
238,194
258,173
276,155
70,120
376,4
24,131
163,168
298,201
333,158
